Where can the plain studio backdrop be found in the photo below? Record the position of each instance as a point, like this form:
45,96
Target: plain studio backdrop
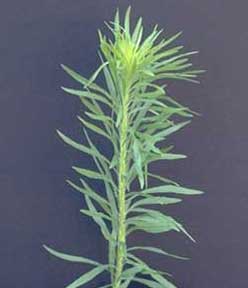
37,206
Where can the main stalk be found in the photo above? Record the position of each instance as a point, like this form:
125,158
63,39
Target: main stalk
121,247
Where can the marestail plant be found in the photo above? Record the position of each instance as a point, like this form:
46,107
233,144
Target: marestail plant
134,113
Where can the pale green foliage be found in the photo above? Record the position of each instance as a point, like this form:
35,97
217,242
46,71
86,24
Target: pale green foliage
135,115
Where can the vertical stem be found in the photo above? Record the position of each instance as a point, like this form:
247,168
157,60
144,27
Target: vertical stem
121,247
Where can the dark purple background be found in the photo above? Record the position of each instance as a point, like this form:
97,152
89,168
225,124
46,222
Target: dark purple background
37,207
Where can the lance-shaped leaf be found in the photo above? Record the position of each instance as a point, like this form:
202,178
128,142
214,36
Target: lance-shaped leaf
160,280
129,274
108,180
71,258
87,277
95,214
94,128
95,74
127,21
134,260
166,189
99,117
162,179
90,173
148,283
156,250
163,281
93,195
87,94
165,156
156,222
98,219
151,200
138,162
161,135
80,146
82,80
137,31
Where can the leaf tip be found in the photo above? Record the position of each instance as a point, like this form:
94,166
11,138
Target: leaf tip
59,133
46,247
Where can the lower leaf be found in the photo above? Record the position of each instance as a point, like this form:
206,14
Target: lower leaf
70,258
87,276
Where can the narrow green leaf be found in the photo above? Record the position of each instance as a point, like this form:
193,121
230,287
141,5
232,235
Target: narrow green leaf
179,57
172,38
153,222
168,189
162,179
129,274
171,130
87,277
151,200
156,222
71,258
156,250
147,270
95,74
137,31
177,190
109,81
94,128
101,118
109,182
95,214
148,283
93,195
98,220
127,21
106,286
87,94
89,173
138,162
74,144
177,76
163,281
117,22
88,103
169,156
81,147
76,76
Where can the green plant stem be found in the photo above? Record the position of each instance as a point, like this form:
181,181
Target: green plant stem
121,247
